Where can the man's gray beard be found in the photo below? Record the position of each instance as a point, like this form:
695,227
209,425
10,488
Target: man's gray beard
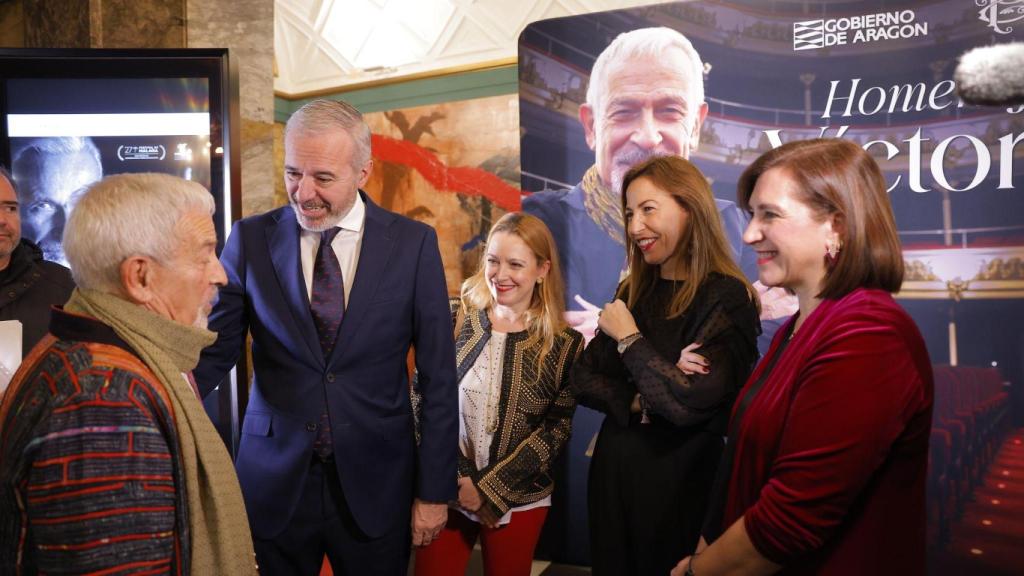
203,314
632,158
331,220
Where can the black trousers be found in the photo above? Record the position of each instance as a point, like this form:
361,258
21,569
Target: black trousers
323,524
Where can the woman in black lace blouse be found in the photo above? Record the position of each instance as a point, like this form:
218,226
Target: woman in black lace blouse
672,352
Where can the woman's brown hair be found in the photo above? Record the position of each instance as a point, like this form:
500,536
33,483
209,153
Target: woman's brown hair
837,178
703,246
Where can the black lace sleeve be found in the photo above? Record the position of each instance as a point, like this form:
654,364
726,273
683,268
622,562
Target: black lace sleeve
600,381
727,331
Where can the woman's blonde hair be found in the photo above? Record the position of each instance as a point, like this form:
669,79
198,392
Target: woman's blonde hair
544,317
702,246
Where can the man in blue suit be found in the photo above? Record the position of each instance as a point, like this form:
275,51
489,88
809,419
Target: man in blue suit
335,290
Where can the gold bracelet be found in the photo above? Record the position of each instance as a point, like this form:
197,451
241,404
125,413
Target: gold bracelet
627,341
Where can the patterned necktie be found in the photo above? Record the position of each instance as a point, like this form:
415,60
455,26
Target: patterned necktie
327,305
327,301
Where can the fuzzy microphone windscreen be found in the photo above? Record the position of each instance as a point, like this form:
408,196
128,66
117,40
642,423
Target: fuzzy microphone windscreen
992,75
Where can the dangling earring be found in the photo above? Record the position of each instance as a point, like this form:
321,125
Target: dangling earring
833,246
540,280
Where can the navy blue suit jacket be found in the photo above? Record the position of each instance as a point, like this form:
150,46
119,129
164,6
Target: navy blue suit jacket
399,299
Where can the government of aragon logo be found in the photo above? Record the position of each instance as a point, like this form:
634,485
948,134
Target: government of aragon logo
809,35
999,13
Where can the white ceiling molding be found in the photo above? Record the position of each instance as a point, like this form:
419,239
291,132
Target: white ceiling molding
333,45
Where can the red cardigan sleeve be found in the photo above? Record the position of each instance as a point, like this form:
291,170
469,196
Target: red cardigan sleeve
851,401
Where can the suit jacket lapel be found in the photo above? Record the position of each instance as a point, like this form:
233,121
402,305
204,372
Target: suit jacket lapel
374,254
283,245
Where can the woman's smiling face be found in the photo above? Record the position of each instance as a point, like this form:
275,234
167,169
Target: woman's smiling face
655,222
787,234
512,271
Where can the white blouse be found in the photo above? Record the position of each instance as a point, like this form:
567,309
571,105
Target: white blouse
479,410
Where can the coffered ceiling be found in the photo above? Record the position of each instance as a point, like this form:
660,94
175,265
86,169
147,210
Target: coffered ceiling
325,45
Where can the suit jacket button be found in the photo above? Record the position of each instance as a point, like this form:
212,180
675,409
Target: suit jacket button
311,426
330,377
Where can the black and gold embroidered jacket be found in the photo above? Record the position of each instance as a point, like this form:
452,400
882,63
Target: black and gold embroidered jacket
535,411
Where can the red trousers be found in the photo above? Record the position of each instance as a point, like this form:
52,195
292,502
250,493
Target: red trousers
507,550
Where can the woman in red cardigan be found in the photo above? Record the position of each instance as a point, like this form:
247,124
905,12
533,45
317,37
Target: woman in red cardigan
824,472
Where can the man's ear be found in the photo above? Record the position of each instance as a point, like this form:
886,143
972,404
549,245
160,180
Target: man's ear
702,113
587,120
137,278
364,173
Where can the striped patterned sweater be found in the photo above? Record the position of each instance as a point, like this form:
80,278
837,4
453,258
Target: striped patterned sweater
90,476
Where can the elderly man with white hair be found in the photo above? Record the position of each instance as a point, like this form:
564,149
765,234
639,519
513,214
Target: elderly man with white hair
108,462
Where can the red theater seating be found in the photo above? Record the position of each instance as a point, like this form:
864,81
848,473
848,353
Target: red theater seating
969,421
945,418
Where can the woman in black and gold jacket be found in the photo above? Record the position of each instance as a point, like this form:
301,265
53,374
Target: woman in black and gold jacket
514,353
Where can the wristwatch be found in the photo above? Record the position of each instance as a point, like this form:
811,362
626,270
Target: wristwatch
627,341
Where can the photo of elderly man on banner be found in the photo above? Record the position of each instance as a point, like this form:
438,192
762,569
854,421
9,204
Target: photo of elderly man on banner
720,84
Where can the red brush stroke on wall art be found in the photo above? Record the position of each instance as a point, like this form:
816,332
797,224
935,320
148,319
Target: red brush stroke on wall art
462,179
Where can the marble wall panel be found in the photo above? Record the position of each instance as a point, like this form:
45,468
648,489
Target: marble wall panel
56,23
138,23
246,28
12,24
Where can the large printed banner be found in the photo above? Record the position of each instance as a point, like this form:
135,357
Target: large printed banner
877,73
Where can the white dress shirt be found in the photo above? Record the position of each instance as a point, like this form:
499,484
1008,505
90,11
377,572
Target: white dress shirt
346,247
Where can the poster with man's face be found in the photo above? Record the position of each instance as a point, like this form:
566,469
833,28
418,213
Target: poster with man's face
52,173
876,73
66,134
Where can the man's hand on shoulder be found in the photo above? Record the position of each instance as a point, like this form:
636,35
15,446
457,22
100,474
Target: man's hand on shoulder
428,518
